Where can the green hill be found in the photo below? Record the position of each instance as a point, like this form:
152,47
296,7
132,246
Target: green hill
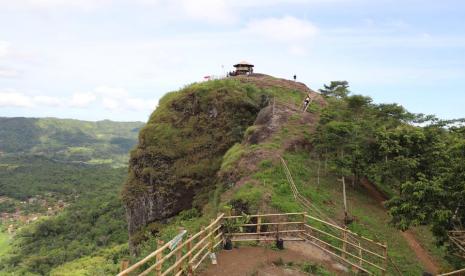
69,140
216,145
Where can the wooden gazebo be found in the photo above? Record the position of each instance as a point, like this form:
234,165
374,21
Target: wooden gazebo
243,68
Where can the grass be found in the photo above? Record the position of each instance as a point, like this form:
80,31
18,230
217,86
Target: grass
4,242
231,156
251,194
371,220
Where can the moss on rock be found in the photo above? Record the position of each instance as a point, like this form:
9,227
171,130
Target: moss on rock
181,148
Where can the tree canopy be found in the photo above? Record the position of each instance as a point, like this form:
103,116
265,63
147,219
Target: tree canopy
417,160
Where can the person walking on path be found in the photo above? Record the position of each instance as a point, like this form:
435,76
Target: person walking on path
306,102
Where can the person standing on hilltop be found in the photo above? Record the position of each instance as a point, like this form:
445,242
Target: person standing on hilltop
295,77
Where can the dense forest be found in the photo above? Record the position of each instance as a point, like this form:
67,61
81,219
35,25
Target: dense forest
93,221
72,208
416,160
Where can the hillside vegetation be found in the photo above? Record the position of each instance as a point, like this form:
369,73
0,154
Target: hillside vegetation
68,140
341,136
64,212
215,146
181,148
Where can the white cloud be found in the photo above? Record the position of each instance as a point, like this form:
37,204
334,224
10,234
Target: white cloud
141,104
298,50
4,48
213,11
216,11
15,99
284,29
47,101
110,98
110,103
8,73
113,98
116,98
11,98
109,91
82,99
53,4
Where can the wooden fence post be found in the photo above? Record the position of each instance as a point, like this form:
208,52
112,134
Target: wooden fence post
202,235
385,259
190,270
277,231
344,239
179,251
158,257
212,235
304,219
259,222
360,254
124,265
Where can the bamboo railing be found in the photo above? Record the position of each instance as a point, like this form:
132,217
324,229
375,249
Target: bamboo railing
370,259
351,237
457,272
276,229
186,255
457,238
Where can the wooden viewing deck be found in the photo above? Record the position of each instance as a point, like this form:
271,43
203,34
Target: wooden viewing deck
188,254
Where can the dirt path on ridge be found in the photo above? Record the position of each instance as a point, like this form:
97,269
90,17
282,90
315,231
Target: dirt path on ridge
262,261
428,262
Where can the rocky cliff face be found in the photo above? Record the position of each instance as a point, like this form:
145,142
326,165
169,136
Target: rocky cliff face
181,148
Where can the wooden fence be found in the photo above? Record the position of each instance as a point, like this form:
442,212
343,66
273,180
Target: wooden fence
265,227
356,251
460,272
457,237
184,257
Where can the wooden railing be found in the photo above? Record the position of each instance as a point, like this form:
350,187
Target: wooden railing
180,256
355,250
184,256
266,227
353,240
460,272
457,238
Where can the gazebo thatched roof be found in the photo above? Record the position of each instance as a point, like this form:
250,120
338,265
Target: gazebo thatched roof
244,63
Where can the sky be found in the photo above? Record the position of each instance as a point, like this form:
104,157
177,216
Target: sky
114,59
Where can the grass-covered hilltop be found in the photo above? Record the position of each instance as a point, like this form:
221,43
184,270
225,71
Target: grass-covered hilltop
181,149
217,145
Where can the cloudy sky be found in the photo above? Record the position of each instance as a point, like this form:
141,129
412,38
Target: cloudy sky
113,59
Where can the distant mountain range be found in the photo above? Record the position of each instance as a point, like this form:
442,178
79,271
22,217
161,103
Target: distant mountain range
67,140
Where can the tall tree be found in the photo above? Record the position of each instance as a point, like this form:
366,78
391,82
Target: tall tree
338,89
